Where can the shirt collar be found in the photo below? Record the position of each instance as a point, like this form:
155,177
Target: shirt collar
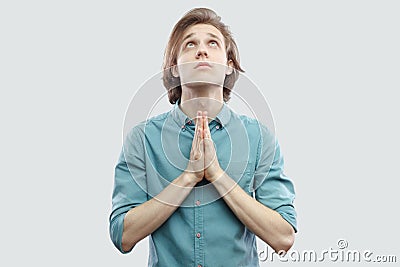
181,119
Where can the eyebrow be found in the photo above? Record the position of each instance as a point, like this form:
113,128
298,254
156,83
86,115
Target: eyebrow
209,34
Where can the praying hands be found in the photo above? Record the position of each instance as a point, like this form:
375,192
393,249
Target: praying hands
203,161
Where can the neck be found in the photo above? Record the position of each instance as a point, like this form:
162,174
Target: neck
202,98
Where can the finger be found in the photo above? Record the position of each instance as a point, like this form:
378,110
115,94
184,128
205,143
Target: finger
206,128
196,139
198,132
201,145
199,125
198,118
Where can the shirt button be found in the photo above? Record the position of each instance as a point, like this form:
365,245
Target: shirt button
198,235
198,203
217,127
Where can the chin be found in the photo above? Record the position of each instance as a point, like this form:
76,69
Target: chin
202,85
203,80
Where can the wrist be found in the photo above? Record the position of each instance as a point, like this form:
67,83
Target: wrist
216,175
187,179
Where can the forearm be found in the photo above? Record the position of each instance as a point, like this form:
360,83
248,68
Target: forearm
264,222
142,220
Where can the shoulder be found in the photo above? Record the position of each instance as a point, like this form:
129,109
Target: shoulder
157,118
149,123
253,126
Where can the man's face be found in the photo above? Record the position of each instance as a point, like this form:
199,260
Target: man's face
202,56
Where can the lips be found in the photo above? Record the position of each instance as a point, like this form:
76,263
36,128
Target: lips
202,64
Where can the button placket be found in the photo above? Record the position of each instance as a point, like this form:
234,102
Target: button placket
198,226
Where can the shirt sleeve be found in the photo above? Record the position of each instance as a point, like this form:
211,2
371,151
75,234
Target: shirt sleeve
129,184
272,187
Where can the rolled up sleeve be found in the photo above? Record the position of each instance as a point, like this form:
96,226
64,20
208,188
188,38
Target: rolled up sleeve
129,184
272,187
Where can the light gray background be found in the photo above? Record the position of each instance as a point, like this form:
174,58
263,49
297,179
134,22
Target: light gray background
329,69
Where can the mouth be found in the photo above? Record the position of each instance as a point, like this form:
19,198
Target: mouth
202,64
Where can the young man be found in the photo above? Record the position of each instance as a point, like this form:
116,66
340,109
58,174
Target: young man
201,180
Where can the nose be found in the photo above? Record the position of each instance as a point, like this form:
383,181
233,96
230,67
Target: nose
202,52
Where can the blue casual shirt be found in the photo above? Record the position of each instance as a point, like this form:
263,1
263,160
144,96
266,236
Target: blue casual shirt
203,231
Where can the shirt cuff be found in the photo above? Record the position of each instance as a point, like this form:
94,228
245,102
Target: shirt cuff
289,214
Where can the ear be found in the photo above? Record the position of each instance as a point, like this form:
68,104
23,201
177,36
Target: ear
229,68
174,71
